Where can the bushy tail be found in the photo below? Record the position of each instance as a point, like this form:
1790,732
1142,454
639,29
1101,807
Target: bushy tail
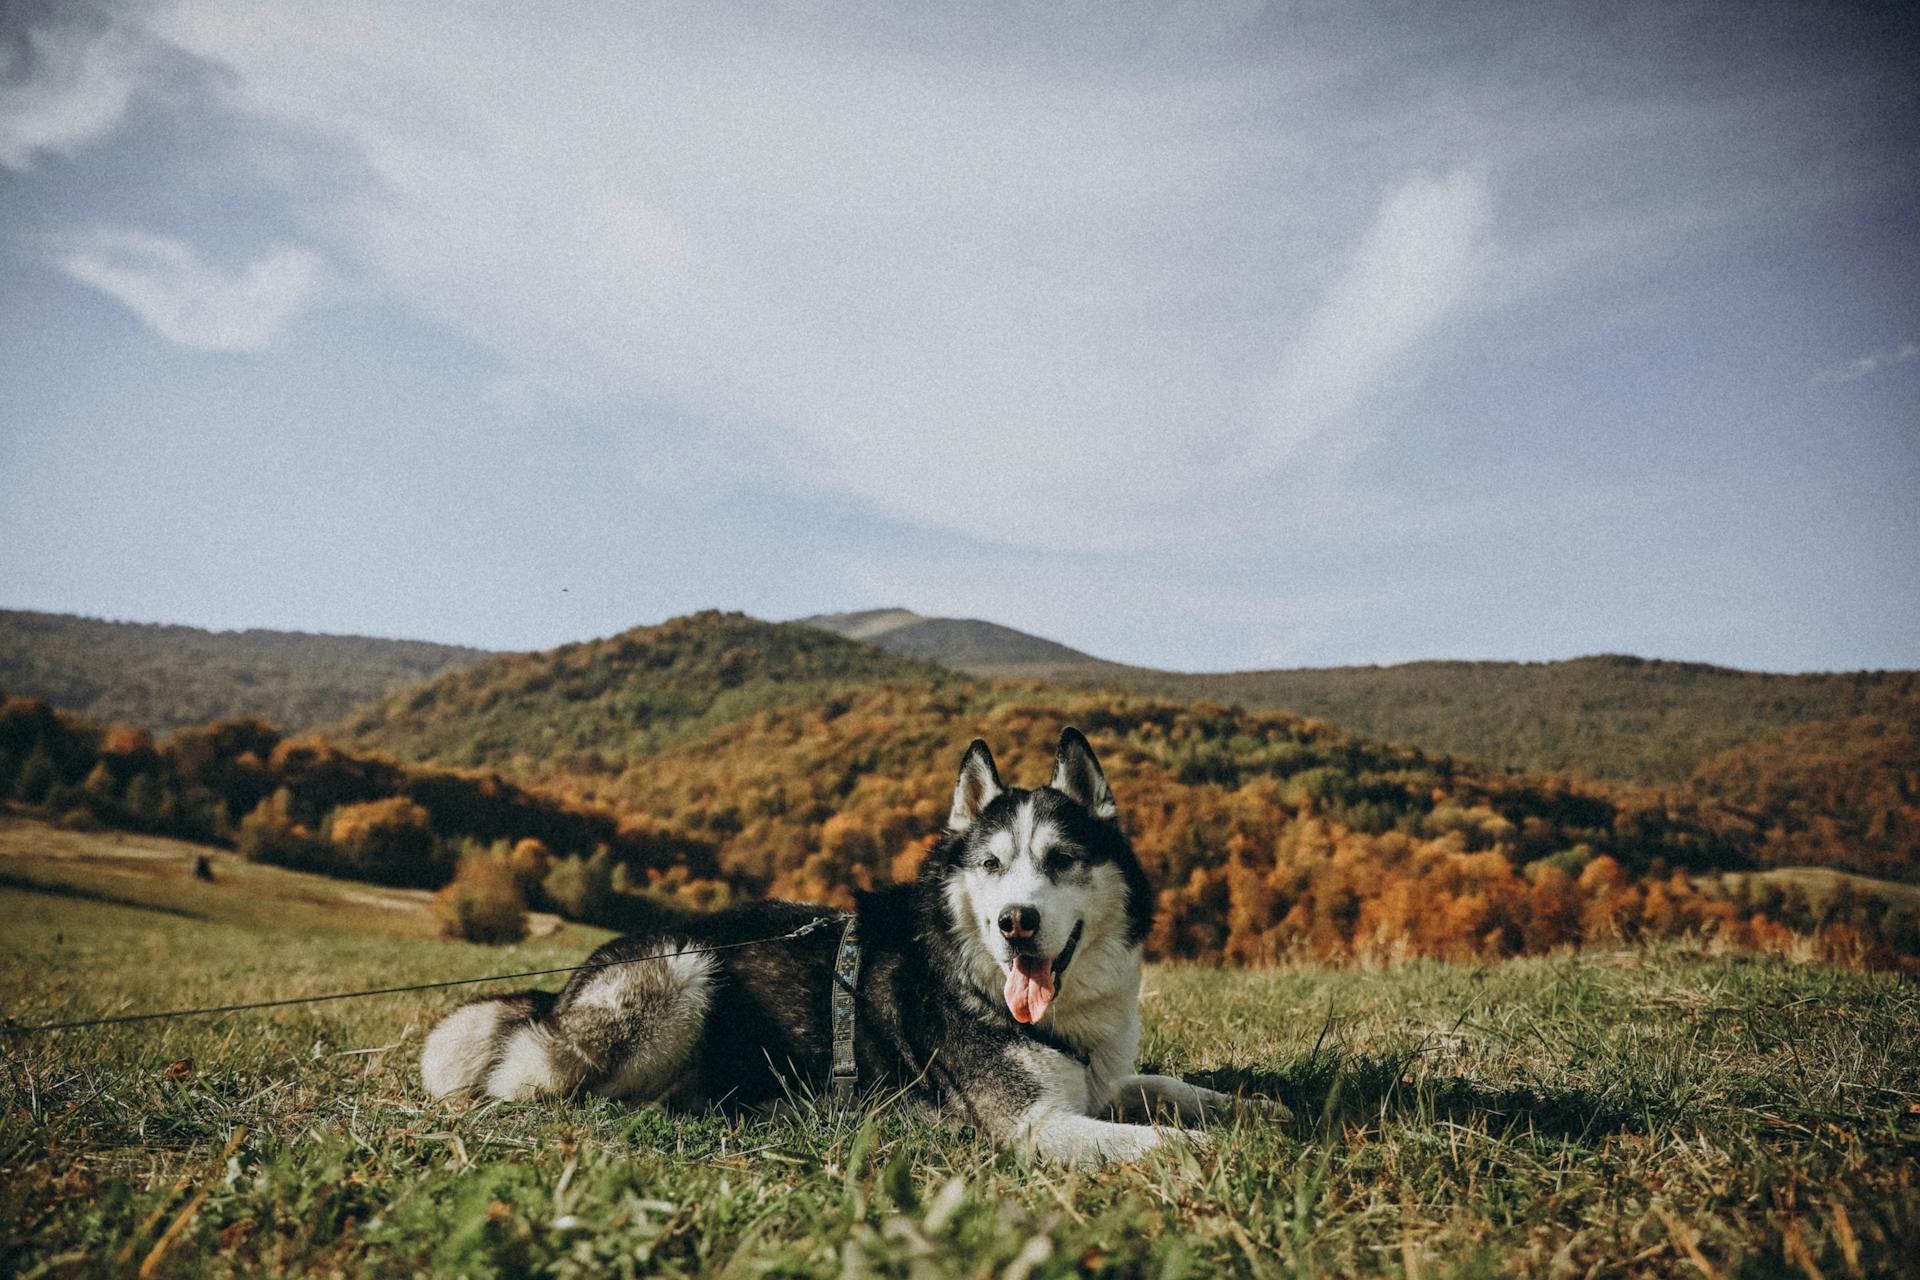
469,1045
627,1031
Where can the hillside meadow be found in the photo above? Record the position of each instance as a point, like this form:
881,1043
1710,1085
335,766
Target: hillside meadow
1627,1112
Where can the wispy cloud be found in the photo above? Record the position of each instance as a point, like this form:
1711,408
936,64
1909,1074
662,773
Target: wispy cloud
163,281
876,255
1872,362
67,72
1414,266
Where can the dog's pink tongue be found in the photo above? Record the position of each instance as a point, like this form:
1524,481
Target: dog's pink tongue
1029,988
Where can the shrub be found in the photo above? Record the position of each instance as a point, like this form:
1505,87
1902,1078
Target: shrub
269,834
483,903
582,888
1572,861
389,841
530,861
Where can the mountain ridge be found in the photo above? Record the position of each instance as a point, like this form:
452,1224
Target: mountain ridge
1608,715
167,676
1616,716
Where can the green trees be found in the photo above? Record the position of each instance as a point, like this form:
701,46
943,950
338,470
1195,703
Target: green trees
582,888
164,678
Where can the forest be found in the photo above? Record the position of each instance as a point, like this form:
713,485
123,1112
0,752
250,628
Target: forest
713,757
163,678
1610,716
305,804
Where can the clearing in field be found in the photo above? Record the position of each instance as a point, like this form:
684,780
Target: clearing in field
1619,1113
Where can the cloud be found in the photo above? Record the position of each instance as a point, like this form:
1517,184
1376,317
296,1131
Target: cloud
883,268
1032,286
67,73
163,281
1872,362
1412,268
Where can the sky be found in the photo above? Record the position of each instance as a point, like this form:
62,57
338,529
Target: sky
1202,336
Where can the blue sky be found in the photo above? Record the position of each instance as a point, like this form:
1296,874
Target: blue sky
1197,336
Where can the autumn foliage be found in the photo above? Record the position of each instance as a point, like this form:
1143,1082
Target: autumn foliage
484,902
683,768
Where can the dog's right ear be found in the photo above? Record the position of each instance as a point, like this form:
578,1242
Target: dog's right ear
979,784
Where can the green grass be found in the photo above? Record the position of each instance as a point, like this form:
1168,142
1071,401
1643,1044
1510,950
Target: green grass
1600,1114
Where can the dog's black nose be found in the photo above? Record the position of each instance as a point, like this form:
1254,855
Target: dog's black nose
1019,924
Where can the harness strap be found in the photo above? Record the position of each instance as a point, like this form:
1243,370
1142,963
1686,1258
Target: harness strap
846,981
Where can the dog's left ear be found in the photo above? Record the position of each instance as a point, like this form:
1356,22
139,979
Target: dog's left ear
1076,774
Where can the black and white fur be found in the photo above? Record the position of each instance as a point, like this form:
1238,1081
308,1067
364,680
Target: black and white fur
744,1026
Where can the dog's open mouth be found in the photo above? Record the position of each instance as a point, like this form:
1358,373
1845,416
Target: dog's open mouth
1033,981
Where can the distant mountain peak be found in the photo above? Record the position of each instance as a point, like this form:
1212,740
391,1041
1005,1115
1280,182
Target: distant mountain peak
971,645
864,624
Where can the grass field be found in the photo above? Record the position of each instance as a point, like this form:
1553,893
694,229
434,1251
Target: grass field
1633,1113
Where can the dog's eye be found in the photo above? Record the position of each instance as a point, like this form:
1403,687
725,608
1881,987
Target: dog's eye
989,863
1059,860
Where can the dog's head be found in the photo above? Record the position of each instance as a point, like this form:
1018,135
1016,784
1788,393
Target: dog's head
1031,880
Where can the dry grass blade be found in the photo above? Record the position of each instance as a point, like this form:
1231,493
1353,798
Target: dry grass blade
1688,1240
179,1224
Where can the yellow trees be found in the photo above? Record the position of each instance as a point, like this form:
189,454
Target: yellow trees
390,841
483,902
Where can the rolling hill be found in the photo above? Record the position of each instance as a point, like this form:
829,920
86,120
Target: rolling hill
585,708
810,763
715,756
163,678
1609,716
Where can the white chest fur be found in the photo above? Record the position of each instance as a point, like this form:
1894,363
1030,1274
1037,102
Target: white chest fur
1102,1013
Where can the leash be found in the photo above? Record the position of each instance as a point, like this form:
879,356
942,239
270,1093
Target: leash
9,1027
846,983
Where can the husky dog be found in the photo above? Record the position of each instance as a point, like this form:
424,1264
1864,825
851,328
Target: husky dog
1002,985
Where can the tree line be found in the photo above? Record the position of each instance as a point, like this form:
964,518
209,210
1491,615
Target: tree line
311,806
1268,836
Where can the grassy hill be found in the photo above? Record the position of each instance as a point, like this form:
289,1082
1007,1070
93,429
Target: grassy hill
156,874
1750,1118
163,678
1609,716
